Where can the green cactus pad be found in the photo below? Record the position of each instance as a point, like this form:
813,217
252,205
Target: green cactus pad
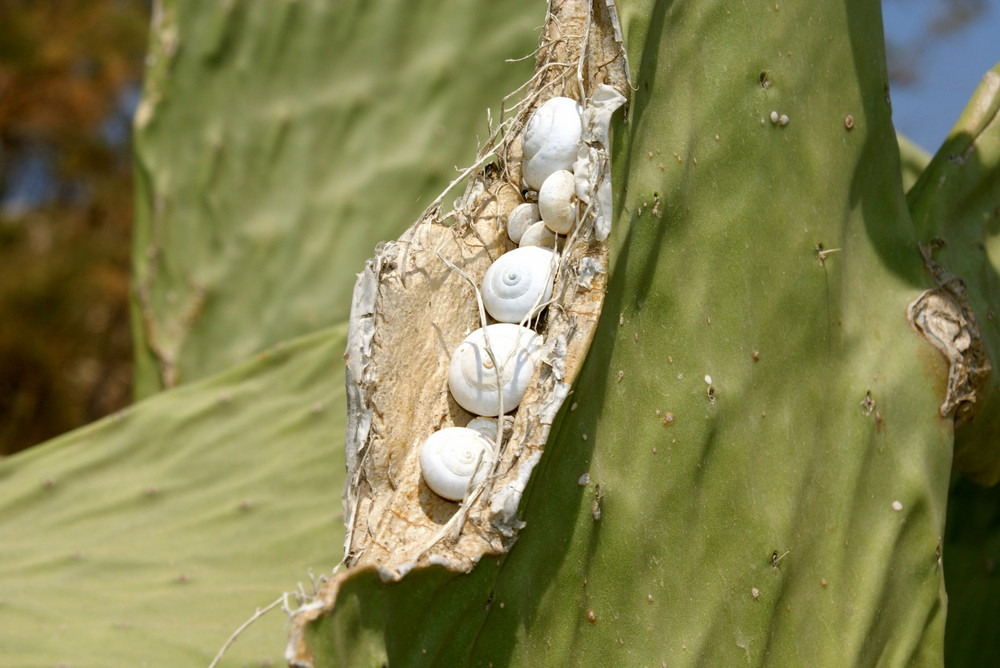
149,537
972,554
957,200
956,210
760,418
277,143
913,160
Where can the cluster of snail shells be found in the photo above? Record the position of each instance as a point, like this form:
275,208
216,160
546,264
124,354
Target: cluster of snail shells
550,145
516,287
456,458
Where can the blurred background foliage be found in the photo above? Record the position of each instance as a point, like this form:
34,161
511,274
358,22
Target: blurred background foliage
70,76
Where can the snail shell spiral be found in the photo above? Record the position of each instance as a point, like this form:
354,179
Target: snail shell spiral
449,459
472,376
519,283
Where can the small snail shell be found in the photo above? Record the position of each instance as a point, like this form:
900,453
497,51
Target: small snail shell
551,138
538,234
520,218
557,202
449,459
519,283
472,376
484,425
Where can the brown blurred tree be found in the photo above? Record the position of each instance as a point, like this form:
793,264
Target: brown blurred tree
69,72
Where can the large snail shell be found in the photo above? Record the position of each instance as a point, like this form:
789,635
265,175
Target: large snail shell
557,202
472,376
519,283
551,138
523,216
449,459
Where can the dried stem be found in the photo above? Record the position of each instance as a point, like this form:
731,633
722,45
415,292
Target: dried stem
236,634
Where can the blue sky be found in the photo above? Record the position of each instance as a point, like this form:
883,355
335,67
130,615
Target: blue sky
947,67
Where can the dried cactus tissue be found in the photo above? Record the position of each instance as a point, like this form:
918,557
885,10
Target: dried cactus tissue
455,273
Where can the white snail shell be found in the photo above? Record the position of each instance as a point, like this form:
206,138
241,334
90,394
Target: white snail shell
551,138
472,376
557,201
449,459
520,219
538,234
484,425
519,283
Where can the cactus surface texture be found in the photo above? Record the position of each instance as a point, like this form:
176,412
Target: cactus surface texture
148,537
754,464
276,144
767,467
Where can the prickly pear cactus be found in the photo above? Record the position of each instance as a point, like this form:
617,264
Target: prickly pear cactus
753,465
956,209
273,150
